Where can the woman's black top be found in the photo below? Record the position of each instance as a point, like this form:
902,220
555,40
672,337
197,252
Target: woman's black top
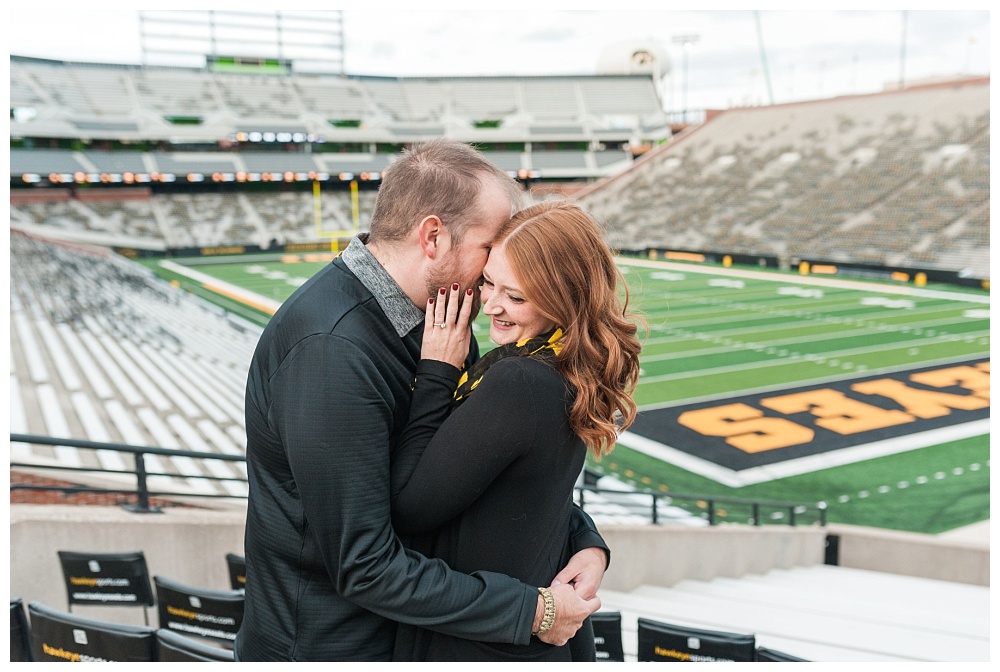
488,485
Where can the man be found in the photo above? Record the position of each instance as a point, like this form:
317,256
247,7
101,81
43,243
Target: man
327,397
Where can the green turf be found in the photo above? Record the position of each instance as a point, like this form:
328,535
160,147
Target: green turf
708,338
852,493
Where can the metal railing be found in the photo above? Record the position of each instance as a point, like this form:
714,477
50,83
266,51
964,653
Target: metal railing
646,504
142,491
710,508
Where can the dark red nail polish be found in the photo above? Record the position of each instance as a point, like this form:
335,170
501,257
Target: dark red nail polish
454,287
431,300
469,292
442,291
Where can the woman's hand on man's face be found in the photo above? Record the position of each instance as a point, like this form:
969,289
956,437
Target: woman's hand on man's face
446,326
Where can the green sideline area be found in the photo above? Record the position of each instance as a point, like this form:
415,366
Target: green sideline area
870,397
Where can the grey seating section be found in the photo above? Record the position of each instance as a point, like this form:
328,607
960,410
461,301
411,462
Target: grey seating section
116,162
44,161
278,161
893,179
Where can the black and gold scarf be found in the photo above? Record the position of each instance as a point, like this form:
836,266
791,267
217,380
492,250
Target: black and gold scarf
545,346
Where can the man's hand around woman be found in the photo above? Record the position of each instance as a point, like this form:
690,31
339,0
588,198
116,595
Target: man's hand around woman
446,326
571,611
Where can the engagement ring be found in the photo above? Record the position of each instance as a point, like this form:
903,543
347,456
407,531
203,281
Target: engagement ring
442,325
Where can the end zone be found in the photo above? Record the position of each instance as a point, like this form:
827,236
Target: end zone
769,435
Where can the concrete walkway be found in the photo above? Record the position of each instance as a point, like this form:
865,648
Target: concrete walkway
979,532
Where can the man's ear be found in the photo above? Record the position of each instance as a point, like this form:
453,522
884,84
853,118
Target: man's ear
431,232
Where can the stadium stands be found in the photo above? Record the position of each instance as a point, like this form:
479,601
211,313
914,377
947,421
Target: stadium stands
893,179
122,221
53,99
195,220
820,613
103,350
811,612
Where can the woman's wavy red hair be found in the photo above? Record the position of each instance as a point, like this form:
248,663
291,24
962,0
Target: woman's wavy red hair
564,267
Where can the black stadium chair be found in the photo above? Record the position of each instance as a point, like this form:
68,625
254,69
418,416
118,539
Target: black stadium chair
237,571
202,612
766,655
174,648
608,636
20,633
58,636
107,579
664,642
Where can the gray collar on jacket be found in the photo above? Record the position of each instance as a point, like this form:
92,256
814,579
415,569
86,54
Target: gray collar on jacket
397,306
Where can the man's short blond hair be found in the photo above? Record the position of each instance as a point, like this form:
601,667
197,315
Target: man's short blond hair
441,177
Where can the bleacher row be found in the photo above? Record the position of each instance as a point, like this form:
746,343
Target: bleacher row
195,623
197,220
817,613
894,179
199,624
897,179
104,351
820,613
94,163
138,102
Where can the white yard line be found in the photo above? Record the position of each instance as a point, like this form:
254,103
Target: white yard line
249,297
738,343
807,280
803,465
788,359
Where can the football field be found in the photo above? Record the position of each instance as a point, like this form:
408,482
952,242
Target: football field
870,397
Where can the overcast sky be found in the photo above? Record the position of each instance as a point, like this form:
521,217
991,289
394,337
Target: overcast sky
805,55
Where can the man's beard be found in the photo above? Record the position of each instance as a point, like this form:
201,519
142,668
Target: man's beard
444,276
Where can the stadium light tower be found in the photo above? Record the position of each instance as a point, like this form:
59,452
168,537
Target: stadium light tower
686,42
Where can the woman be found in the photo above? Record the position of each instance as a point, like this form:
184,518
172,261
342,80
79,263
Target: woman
486,467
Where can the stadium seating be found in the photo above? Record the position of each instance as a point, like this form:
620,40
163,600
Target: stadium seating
197,220
608,636
106,579
894,179
821,613
174,648
766,655
237,565
73,100
666,642
215,615
20,633
105,351
889,179
62,637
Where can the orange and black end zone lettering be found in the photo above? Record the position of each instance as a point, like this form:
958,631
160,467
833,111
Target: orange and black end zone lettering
768,428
